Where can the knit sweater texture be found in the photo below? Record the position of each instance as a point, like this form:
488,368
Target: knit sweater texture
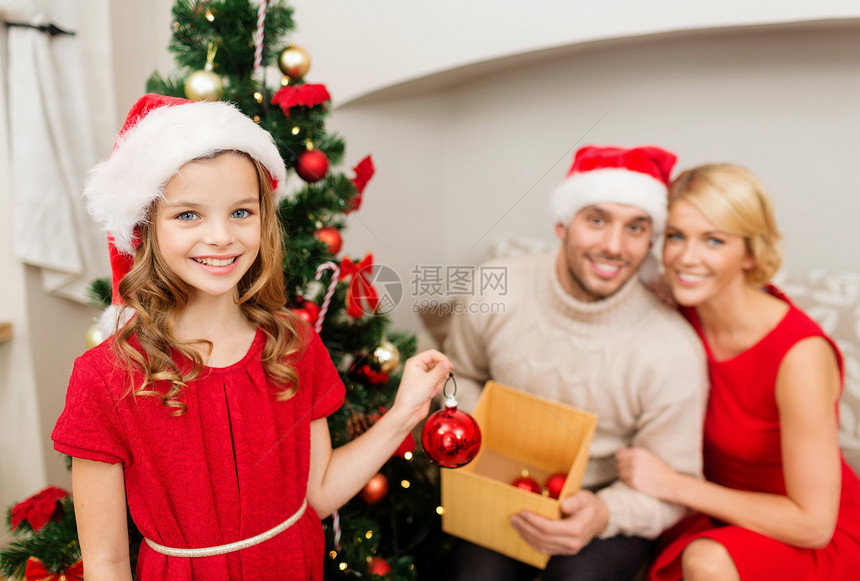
628,358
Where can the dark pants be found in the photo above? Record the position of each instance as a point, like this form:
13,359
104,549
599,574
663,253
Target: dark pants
615,559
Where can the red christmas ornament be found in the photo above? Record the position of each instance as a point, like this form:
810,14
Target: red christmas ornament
312,165
526,483
554,484
35,570
307,311
375,490
379,566
451,438
330,236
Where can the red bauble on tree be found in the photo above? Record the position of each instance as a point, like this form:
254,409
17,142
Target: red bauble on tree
312,165
375,490
451,438
554,484
307,311
330,236
379,566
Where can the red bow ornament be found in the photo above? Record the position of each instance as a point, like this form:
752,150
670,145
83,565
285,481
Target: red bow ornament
35,571
360,291
363,172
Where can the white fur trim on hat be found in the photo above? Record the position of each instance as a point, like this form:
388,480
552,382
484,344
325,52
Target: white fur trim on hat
610,185
121,189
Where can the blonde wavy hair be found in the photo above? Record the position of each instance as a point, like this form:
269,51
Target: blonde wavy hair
156,296
735,201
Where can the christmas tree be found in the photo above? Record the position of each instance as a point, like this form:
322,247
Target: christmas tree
224,50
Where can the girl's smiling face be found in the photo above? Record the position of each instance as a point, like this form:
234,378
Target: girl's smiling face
207,226
701,261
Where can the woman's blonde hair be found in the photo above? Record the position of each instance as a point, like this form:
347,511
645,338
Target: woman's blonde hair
736,202
156,295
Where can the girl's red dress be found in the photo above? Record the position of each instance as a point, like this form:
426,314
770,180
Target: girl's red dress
235,465
742,451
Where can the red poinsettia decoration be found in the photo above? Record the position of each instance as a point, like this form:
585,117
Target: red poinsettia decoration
39,508
363,172
308,95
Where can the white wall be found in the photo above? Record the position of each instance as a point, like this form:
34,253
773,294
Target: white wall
22,467
363,46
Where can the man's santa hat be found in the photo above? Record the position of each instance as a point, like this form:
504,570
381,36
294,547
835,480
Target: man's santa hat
159,136
636,177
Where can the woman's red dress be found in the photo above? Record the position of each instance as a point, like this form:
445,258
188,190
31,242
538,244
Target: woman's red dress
742,451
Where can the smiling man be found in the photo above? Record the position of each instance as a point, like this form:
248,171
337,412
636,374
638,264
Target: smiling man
579,327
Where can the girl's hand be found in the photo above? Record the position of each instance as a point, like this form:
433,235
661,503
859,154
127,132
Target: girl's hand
642,470
424,376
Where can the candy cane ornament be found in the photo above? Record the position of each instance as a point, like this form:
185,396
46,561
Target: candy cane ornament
259,34
329,293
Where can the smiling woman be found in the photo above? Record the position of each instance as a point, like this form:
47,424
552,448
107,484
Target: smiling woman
779,500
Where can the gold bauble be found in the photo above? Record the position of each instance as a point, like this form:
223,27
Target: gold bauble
385,356
94,336
204,85
294,62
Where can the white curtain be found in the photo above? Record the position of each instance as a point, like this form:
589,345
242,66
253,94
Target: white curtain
61,117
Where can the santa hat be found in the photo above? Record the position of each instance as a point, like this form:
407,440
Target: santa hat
159,136
636,177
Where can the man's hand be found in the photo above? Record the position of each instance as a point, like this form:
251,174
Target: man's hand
585,516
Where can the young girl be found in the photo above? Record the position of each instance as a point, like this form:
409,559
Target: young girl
206,411
779,501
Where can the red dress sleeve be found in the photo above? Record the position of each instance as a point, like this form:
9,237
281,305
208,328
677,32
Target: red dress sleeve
328,389
90,426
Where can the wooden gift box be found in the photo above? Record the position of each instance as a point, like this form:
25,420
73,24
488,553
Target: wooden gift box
518,431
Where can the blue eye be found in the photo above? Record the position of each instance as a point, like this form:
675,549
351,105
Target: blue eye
715,241
674,236
186,216
241,213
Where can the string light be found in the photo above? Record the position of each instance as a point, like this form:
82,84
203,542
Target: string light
407,456
332,554
295,130
368,535
258,96
405,483
440,511
209,16
342,566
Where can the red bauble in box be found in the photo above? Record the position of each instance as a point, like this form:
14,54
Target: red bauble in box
451,438
554,484
526,483
330,236
375,490
312,165
379,566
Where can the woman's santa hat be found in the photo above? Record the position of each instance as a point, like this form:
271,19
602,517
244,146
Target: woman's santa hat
159,136
636,177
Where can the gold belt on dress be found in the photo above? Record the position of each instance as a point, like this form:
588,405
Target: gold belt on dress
230,547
